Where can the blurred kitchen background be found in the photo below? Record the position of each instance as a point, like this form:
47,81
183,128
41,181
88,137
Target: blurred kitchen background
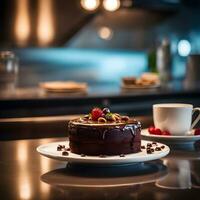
94,41
61,39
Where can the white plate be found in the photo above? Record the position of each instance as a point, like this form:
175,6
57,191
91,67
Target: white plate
190,138
50,150
132,87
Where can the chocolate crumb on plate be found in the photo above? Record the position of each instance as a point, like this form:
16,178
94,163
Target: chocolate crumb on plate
60,147
157,149
149,151
152,150
162,147
142,147
149,145
65,153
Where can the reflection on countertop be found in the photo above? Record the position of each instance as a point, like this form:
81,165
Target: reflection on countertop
27,175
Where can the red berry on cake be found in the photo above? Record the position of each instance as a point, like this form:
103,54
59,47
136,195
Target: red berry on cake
96,113
197,131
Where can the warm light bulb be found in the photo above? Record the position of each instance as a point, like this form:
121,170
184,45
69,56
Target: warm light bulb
105,33
22,24
90,4
111,5
45,29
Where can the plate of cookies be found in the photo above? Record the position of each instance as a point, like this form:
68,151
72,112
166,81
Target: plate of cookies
147,80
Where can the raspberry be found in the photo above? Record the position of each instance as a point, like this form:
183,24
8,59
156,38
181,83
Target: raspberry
151,129
166,133
96,113
197,131
157,131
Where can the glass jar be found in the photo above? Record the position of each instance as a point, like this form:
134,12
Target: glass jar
8,70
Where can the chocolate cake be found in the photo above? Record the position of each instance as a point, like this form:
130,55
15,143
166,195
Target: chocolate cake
104,133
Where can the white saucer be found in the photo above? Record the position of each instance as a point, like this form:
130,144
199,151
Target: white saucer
190,138
50,150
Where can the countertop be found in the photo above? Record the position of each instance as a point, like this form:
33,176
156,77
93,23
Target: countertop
27,175
28,102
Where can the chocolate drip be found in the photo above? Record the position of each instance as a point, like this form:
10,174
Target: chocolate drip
132,129
104,134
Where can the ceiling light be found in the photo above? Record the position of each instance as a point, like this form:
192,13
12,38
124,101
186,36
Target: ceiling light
90,5
111,5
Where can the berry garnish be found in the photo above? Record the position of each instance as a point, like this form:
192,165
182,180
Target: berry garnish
96,113
166,133
151,129
197,131
157,131
106,110
109,117
65,153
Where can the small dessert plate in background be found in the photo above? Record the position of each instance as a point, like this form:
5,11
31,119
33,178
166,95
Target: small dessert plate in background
64,86
50,150
189,138
135,87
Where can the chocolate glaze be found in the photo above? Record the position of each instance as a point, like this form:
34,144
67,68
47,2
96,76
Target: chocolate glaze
106,139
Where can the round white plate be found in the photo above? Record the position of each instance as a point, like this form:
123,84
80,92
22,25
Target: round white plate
132,87
50,150
190,138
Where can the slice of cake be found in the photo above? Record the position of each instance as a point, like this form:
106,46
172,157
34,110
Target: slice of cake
104,133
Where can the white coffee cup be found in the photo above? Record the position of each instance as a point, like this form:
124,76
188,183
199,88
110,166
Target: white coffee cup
175,117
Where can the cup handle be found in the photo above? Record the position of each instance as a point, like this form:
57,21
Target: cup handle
197,118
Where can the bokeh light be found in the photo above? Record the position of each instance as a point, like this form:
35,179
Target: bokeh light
184,47
111,5
90,4
105,33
